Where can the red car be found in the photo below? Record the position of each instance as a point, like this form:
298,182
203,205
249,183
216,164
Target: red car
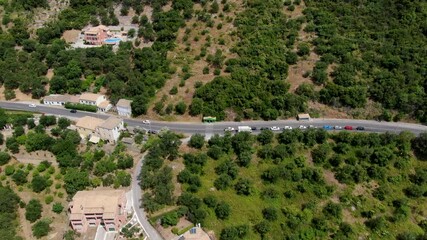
348,128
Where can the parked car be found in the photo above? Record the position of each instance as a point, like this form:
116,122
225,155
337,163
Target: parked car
32,105
146,121
229,129
73,111
348,128
312,126
288,128
337,127
360,128
327,127
152,131
253,128
275,128
302,127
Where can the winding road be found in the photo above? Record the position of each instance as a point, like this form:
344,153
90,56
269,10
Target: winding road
208,130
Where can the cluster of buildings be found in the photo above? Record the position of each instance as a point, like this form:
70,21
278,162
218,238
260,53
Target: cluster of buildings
123,106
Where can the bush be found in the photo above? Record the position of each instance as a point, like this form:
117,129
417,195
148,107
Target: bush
173,91
57,207
222,210
4,158
82,107
48,199
38,183
41,228
180,108
169,219
206,70
270,214
33,210
197,141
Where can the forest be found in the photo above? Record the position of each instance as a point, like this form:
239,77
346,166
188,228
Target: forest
294,185
370,54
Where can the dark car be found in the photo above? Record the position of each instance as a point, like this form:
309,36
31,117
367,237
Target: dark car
73,111
152,131
360,128
253,128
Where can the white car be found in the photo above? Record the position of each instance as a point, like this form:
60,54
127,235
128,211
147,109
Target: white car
32,105
274,128
337,127
288,128
302,127
229,129
311,126
146,122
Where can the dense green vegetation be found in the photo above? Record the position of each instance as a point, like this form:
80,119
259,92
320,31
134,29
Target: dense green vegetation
306,185
8,213
380,48
256,87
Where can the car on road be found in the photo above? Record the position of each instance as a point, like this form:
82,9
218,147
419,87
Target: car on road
327,127
73,111
348,128
302,127
253,128
32,105
287,128
146,121
152,131
275,128
360,128
337,127
229,129
312,126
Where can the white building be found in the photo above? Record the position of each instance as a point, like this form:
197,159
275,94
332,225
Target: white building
104,106
92,99
110,129
124,107
96,128
56,99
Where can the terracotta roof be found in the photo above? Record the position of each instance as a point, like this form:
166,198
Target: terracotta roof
57,98
104,104
88,122
74,99
111,123
90,96
96,201
195,233
124,103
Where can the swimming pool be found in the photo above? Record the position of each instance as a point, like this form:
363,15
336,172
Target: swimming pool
112,40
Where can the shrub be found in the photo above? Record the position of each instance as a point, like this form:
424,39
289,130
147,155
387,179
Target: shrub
33,210
4,158
48,199
197,141
82,107
222,210
180,108
41,228
270,214
57,207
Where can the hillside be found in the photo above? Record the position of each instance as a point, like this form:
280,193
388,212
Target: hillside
231,59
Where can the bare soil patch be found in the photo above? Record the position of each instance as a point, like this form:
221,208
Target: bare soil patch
70,36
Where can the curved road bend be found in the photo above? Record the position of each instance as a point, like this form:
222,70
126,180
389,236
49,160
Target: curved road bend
150,231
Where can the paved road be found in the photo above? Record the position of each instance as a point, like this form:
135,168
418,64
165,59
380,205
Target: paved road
212,128
152,234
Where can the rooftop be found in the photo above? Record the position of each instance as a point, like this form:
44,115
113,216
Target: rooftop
124,103
88,122
104,104
111,123
105,201
195,233
57,98
303,115
90,96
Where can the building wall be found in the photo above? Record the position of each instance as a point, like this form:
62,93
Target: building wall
124,111
112,135
53,103
105,109
84,133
